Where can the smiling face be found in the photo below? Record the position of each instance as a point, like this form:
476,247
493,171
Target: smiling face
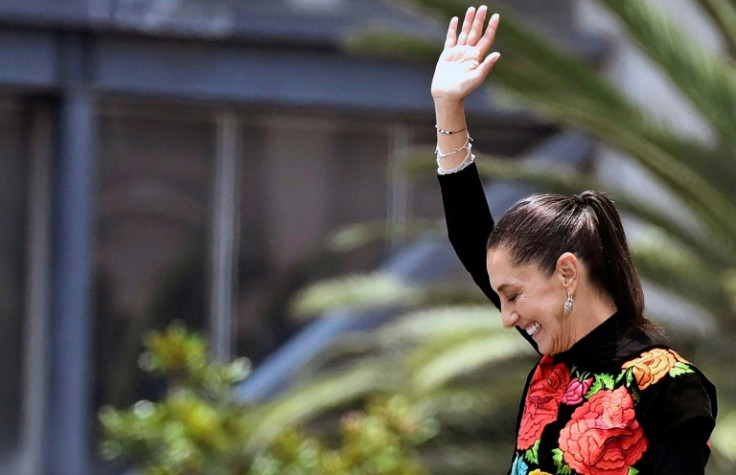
532,301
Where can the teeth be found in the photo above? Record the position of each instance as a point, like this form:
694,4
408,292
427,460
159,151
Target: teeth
532,329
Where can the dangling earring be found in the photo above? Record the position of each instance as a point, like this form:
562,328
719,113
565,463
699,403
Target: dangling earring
568,304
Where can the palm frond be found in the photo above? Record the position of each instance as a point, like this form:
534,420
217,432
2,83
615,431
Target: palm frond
357,292
354,236
433,366
722,14
428,324
705,79
568,92
328,393
661,260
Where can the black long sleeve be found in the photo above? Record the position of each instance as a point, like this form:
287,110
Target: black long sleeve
679,415
469,223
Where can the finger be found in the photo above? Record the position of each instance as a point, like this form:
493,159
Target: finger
451,33
467,23
490,35
476,31
488,63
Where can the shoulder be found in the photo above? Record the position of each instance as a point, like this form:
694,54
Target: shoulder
672,394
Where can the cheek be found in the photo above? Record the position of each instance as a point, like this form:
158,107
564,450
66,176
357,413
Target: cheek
537,305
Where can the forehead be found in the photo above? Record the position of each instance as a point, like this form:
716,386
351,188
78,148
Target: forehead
503,272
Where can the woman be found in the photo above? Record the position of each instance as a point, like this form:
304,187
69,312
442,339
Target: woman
604,399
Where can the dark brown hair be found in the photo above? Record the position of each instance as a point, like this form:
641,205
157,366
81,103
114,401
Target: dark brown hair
540,228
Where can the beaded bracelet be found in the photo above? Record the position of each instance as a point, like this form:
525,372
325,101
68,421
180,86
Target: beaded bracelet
448,132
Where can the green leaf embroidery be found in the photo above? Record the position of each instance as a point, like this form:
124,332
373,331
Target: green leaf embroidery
680,368
557,455
635,394
594,388
629,377
607,380
562,467
532,454
601,381
633,471
620,376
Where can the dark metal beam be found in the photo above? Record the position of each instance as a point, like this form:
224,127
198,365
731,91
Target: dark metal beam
69,425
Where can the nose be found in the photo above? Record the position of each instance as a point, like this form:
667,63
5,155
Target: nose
509,318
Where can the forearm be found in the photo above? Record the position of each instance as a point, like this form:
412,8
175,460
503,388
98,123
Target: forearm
450,117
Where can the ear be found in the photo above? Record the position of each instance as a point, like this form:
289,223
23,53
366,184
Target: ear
568,271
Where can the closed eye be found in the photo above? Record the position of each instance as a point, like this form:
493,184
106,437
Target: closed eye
513,297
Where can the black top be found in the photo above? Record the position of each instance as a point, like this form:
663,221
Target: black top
615,403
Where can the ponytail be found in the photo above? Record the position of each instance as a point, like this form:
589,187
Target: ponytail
616,272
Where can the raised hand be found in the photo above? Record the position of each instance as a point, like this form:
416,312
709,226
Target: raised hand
465,62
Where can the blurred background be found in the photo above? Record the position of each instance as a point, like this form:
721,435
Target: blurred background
249,166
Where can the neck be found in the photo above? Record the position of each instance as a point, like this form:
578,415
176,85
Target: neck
589,313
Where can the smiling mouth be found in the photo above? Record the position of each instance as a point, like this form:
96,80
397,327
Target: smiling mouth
533,328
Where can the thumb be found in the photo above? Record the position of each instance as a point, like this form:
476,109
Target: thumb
488,63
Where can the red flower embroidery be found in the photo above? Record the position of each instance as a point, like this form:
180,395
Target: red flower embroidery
542,400
576,390
603,436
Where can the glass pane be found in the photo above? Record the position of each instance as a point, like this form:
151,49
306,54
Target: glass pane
302,179
153,214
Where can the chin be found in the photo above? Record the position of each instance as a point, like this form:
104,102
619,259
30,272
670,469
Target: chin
544,349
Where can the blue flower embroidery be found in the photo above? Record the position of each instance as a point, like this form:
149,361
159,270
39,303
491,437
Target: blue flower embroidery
520,467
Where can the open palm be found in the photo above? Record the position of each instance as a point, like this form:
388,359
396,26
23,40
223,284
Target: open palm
463,64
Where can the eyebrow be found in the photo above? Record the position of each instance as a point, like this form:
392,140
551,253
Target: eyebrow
503,286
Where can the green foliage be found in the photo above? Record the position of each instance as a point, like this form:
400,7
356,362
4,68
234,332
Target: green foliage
199,427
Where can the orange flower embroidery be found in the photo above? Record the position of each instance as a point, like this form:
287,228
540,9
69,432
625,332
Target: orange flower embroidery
539,472
653,365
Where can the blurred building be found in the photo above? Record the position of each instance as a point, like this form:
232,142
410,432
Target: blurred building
185,159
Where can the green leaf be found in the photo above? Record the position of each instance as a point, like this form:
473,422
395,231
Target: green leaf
558,459
557,455
602,381
723,14
679,369
635,394
633,471
532,454
701,75
629,377
594,388
606,379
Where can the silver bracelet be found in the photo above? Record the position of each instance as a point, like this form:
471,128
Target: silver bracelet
466,146
469,158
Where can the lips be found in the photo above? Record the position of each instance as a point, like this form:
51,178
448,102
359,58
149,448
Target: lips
533,328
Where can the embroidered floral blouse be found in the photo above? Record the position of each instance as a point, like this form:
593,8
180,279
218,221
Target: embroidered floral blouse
613,404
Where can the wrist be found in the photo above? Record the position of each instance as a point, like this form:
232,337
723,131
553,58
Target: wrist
449,104
450,114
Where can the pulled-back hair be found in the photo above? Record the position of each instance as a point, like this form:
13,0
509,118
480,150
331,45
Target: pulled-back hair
540,228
